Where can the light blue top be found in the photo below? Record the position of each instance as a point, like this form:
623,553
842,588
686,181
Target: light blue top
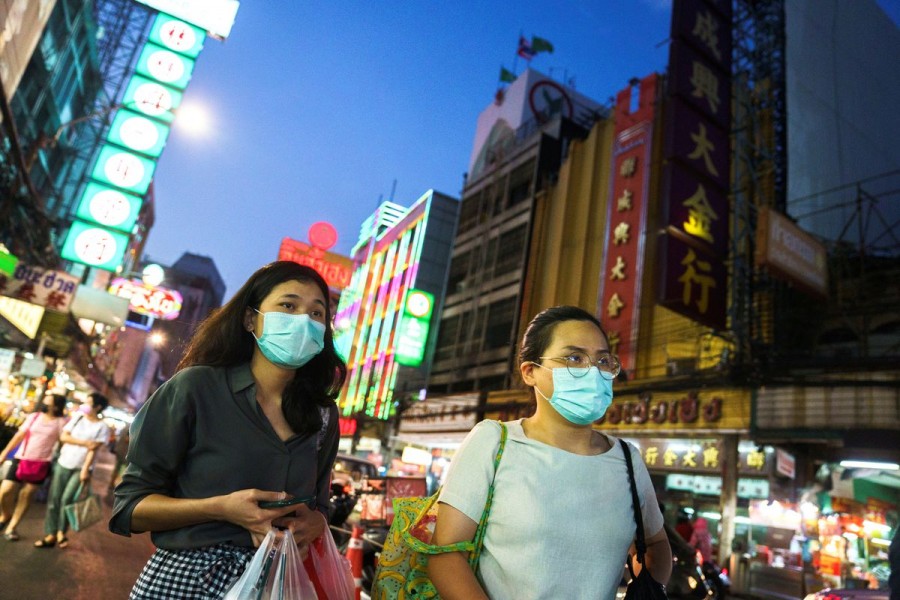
561,523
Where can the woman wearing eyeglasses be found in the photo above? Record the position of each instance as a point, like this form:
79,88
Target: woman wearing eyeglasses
561,522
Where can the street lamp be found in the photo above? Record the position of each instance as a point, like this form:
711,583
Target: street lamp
157,339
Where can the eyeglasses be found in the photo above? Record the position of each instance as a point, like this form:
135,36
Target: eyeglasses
578,363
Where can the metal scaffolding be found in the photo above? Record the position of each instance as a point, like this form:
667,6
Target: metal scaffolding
760,170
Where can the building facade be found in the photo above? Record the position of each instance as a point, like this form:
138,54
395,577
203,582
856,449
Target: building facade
386,320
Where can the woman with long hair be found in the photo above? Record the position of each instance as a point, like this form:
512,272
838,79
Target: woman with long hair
561,521
247,423
81,438
36,438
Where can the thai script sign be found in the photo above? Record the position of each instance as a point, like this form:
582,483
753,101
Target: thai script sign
157,302
790,253
52,289
336,269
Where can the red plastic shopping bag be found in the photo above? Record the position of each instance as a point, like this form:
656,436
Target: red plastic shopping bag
329,571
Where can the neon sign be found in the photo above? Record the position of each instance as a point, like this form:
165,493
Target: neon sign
157,302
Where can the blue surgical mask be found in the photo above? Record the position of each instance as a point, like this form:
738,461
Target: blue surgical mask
580,400
288,340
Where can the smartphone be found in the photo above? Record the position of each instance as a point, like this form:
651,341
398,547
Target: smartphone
285,502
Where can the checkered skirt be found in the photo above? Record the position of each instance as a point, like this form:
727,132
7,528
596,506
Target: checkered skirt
196,574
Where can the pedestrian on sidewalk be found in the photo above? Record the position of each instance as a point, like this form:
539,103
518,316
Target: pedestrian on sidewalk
36,439
80,439
120,450
561,519
249,417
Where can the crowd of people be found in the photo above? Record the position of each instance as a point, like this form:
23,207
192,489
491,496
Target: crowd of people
50,446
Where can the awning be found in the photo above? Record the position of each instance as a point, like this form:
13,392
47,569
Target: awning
98,305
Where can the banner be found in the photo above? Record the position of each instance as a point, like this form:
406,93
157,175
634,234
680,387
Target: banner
43,287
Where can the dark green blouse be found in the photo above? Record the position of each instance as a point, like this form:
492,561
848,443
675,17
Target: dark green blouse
202,434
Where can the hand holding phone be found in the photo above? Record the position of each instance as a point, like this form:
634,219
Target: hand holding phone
285,502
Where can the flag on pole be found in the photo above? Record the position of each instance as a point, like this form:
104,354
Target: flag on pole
540,45
525,50
506,75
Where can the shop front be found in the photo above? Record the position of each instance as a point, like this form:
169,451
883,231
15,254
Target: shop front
429,434
696,446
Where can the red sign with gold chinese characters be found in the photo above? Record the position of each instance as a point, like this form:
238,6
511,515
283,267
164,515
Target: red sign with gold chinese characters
620,279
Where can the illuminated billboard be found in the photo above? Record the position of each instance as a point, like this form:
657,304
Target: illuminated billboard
214,16
165,66
177,36
123,169
137,132
153,301
94,246
152,98
414,326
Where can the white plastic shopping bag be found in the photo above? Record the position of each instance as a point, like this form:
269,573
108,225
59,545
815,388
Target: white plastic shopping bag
275,573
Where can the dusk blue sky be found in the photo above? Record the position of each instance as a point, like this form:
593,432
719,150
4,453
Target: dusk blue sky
315,108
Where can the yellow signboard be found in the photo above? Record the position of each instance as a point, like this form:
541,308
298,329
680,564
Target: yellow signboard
724,409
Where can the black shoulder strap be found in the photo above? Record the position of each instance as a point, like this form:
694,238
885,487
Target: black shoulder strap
636,503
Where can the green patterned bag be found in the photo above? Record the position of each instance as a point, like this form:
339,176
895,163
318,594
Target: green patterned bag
401,573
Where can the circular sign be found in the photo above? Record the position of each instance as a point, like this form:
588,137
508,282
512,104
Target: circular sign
152,99
177,36
109,207
153,274
548,99
123,169
418,304
95,246
323,235
166,66
139,133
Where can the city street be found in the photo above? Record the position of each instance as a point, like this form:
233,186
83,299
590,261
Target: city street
96,564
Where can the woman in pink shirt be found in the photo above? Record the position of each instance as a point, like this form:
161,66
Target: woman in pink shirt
38,435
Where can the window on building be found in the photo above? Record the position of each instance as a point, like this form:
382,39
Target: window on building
520,183
510,251
459,270
498,332
490,384
468,213
448,333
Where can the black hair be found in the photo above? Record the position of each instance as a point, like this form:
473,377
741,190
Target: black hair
539,332
59,405
100,401
222,340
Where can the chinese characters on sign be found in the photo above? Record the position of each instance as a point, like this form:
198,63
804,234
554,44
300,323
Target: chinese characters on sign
51,289
697,175
701,456
626,216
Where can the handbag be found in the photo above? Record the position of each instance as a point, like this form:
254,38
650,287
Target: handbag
402,566
31,471
642,587
85,510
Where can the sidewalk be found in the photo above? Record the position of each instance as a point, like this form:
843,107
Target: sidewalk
97,564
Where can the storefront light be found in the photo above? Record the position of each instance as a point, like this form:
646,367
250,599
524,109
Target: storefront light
881,542
872,526
808,510
866,464
711,515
